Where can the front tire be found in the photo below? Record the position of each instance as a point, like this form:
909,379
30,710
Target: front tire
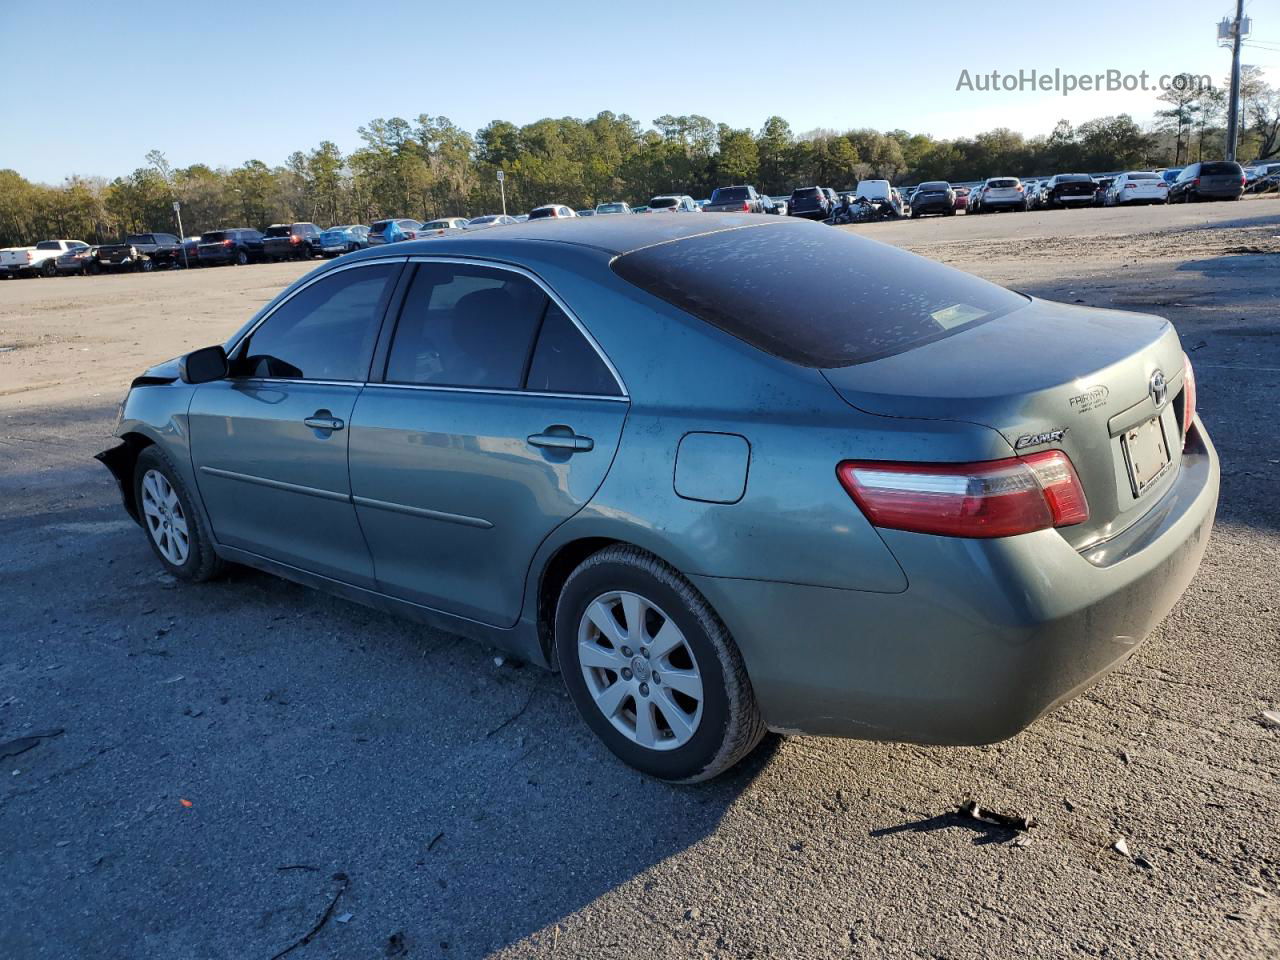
652,669
49,269
175,528
241,258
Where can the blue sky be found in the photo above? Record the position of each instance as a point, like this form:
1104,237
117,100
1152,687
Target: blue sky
234,81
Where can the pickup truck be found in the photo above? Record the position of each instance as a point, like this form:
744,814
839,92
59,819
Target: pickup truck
735,200
40,259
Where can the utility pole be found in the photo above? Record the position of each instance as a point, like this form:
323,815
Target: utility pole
503,187
177,210
1235,35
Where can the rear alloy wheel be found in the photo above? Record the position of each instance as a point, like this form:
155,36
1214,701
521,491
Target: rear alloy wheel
50,269
146,265
652,669
242,258
174,528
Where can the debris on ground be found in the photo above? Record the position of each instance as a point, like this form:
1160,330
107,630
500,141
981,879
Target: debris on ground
1122,848
499,661
1271,718
174,679
434,840
11,748
343,882
396,945
1012,821
343,918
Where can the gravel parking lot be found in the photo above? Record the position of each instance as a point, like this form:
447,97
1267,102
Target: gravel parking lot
235,769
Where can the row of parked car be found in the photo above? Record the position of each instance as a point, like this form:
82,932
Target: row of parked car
1208,180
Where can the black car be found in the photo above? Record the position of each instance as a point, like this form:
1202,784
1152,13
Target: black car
1215,180
293,241
933,196
811,203
1070,190
164,249
236,245
117,258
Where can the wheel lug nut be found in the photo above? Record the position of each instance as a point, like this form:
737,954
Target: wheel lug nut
656,678
626,673
644,652
626,651
644,689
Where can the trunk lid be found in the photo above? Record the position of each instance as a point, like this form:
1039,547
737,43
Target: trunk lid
1049,376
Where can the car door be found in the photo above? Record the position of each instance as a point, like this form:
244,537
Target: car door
269,443
496,419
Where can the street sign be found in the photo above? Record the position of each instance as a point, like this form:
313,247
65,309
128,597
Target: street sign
176,206
501,176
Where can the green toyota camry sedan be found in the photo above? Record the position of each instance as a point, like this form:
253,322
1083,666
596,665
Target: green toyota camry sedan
726,473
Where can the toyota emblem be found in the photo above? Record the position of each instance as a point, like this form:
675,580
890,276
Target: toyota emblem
1158,388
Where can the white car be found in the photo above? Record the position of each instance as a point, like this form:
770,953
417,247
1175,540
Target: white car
40,259
877,191
673,203
1140,186
554,211
490,220
603,208
442,226
1003,193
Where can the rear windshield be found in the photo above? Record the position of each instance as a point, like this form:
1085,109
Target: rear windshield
619,207
1002,184
1075,178
283,231
935,186
542,212
1223,169
755,284
659,202
806,193
380,226
729,195
216,237
1142,176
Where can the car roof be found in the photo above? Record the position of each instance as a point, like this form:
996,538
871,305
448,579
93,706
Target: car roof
612,235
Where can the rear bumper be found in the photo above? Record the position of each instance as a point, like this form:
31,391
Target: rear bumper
989,635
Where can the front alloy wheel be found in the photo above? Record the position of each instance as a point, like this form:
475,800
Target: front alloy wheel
165,519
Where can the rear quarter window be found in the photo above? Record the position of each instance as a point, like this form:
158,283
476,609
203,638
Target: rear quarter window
756,284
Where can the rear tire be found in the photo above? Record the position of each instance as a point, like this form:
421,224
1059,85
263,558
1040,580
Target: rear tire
49,268
175,528
241,258
654,623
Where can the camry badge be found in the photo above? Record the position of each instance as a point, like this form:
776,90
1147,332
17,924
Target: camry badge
1035,439
1159,389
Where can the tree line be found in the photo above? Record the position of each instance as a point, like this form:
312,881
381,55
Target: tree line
429,167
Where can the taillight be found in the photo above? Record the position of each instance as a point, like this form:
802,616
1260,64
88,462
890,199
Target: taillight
1130,186
411,235
293,239
29,256
226,243
994,498
1188,397
1020,189
746,206
1195,182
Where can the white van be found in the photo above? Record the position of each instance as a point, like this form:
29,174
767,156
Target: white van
876,190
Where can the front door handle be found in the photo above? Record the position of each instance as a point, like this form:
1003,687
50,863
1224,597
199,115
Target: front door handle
323,420
568,441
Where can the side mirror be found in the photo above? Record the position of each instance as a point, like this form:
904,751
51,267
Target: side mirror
204,365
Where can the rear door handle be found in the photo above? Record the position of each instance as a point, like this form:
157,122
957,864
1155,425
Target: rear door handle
562,441
322,421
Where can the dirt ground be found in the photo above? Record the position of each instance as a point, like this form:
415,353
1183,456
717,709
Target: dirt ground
236,758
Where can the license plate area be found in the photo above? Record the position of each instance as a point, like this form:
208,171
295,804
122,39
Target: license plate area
1146,454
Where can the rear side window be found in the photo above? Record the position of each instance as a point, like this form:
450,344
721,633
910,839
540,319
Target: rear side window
324,332
465,326
756,284
564,362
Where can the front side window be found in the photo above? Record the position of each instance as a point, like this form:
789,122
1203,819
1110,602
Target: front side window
466,326
324,332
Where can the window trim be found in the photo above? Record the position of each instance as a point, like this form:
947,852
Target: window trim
272,308
378,378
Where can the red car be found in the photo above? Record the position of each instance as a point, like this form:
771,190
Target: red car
962,198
